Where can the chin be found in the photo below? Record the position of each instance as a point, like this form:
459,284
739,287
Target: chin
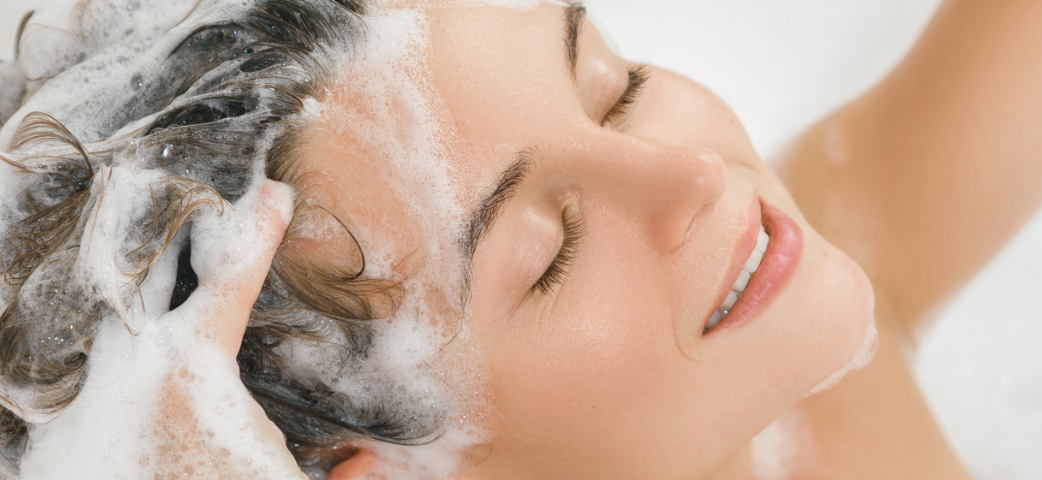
819,325
843,328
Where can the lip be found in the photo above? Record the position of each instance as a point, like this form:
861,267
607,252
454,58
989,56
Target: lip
779,261
742,250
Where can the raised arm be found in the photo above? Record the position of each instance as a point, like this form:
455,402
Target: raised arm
925,177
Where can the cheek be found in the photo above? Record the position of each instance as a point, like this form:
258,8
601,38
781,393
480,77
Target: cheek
587,360
675,110
832,314
581,377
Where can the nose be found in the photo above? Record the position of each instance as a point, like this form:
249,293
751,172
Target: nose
667,189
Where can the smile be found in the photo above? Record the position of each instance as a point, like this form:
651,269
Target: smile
767,268
748,269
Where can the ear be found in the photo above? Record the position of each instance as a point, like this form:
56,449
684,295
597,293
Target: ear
363,463
356,467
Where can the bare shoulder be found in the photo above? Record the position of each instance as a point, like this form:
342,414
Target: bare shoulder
925,177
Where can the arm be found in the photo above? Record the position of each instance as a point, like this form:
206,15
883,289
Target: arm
924,178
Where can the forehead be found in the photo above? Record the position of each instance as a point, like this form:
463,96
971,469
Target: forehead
492,65
411,134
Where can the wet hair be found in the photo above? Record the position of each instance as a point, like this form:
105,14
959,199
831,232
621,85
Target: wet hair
229,94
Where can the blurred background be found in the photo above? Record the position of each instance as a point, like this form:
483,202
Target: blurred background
781,65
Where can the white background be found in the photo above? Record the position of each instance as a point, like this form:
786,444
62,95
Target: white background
783,64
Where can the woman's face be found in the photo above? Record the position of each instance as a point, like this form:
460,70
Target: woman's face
628,217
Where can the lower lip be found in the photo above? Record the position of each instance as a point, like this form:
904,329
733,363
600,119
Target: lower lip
779,261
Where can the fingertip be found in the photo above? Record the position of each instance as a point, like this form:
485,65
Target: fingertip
358,466
273,209
278,196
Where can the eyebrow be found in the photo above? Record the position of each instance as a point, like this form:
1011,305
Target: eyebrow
486,214
484,218
574,19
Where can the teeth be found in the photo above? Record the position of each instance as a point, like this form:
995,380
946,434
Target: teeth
732,297
753,262
713,319
748,269
742,282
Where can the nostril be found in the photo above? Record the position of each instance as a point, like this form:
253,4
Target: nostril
187,280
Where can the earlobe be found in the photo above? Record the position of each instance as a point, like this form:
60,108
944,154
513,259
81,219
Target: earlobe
356,467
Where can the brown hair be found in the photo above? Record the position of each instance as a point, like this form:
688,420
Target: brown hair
223,92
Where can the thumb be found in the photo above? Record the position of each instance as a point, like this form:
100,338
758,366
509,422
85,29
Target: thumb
232,254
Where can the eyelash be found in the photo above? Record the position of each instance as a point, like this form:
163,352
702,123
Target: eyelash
573,224
638,77
573,232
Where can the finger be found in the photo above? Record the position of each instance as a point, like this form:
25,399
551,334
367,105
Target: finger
358,466
232,254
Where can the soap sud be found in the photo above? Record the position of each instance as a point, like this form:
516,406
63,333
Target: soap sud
118,426
391,82
786,444
779,448
521,5
12,86
864,355
80,73
111,430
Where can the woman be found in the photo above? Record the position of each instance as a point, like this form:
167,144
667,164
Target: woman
567,229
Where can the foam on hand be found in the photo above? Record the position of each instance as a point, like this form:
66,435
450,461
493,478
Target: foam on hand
159,400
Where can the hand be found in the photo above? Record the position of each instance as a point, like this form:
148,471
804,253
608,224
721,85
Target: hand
206,413
163,397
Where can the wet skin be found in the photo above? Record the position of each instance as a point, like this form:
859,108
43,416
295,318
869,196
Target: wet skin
606,374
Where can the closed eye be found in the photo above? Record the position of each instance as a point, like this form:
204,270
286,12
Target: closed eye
638,76
573,232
